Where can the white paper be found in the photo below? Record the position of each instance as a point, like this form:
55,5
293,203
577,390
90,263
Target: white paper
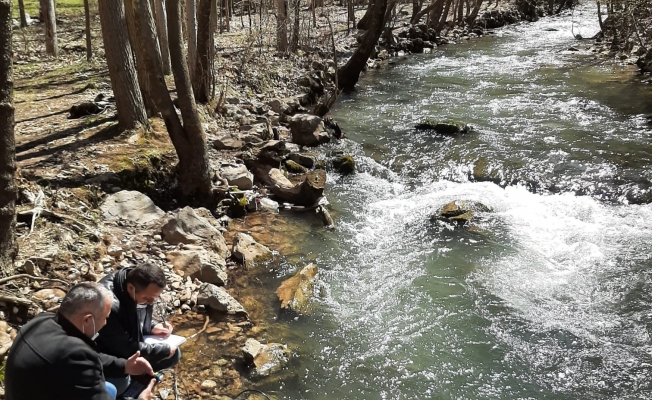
172,340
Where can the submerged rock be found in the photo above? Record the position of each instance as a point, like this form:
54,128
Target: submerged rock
459,212
345,164
444,128
295,293
248,251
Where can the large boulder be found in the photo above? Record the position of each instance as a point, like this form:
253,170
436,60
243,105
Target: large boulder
228,142
131,206
305,193
185,226
237,175
248,251
218,299
265,358
459,212
198,263
308,130
295,293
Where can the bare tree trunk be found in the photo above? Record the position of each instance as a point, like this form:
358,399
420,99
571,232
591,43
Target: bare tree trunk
191,33
351,12
474,14
227,15
349,74
460,12
416,7
87,13
202,76
129,101
141,69
281,26
600,18
161,27
444,16
51,45
416,17
21,10
366,18
8,245
194,170
294,46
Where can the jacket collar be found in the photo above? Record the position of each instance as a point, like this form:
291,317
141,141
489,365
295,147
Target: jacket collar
71,330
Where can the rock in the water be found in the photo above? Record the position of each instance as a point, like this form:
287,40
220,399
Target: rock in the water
308,130
345,165
266,358
218,299
131,206
238,175
295,293
305,193
187,227
294,167
248,251
459,212
203,265
444,128
304,159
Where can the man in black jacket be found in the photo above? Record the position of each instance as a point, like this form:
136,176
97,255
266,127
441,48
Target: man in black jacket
54,356
134,292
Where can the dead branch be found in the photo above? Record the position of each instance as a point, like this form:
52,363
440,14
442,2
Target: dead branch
36,278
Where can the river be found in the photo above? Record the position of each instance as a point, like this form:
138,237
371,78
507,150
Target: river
550,297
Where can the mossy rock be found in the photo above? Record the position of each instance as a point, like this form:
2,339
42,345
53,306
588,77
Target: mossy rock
345,165
482,172
294,167
445,128
459,212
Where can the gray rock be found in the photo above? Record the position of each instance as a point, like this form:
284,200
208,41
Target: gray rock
308,130
296,292
218,299
238,175
251,349
131,206
305,193
200,264
186,226
248,251
305,159
271,359
228,143
278,106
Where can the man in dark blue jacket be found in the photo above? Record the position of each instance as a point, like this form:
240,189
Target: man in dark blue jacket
134,292
54,356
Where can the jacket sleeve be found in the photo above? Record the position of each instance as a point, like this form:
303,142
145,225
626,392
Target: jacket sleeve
114,338
84,371
113,366
155,353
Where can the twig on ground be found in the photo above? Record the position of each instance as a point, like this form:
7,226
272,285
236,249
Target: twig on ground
36,278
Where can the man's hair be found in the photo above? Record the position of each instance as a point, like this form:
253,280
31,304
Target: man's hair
143,275
85,297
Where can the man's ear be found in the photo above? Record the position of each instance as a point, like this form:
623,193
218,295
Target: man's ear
131,289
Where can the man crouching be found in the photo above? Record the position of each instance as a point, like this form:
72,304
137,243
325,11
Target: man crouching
134,292
54,356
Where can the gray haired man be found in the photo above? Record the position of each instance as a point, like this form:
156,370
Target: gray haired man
54,356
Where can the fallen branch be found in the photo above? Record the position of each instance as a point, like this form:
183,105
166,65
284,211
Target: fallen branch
36,278
16,300
77,226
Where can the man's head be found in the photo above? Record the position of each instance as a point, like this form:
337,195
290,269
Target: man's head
87,305
145,283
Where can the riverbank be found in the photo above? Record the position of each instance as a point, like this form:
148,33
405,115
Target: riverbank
79,164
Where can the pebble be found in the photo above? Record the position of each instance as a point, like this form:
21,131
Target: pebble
185,308
158,237
208,385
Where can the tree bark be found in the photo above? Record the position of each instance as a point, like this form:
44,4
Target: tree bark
21,10
281,26
191,33
141,70
444,16
202,76
8,246
366,18
51,45
194,170
128,98
161,28
87,13
349,74
416,17
294,45
416,8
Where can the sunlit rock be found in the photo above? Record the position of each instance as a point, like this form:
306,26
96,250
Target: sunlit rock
459,212
248,251
295,293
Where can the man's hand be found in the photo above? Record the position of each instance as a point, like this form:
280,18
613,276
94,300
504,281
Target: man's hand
147,393
136,365
163,329
173,349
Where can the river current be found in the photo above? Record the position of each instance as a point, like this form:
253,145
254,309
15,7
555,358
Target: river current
550,296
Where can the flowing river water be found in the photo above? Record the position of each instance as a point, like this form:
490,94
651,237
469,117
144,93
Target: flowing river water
550,297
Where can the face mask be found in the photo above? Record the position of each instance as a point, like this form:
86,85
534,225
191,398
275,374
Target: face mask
95,333
141,305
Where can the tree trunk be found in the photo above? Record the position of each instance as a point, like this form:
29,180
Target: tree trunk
474,14
294,46
600,18
87,13
460,12
8,246
444,16
51,45
21,10
194,171
161,28
366,18
128,98
416,17
281,26
202,76
191,33
349,74
416,7
141,70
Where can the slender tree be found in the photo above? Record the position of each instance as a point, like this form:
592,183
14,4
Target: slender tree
161,28
349,74
8,246
191,33
51,44
202,76
87,13
128,98
281,26
21,10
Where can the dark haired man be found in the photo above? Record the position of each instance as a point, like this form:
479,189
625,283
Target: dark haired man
54,356
134,292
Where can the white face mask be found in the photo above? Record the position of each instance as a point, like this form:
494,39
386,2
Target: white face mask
95,333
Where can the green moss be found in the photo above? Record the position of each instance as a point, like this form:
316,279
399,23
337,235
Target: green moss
344,164
294,167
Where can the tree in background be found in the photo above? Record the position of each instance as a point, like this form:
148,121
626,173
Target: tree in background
162,30
8,246
51,44
128,98
191,34
202,75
